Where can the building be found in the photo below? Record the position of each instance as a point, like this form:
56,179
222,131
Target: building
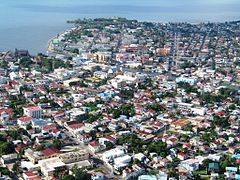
23,121
112,154
8,159
33,111
190,81
72,157
103,57
21,53
31,176
48,166
6,114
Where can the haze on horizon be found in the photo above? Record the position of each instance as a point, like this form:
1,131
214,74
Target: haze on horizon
30,23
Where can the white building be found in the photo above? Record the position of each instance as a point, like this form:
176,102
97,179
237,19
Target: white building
124,159
33,111
48,166
112,154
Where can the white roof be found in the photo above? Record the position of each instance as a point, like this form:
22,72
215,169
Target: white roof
28,165
50,164
122,159
113,152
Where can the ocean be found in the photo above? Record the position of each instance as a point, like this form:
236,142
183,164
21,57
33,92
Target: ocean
29,24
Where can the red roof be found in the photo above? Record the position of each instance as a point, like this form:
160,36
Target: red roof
110,138
58,113
33,108
55,130
25,119
35,178
6,110
32,176
56,86
94,143
14,82
48,127
181,154
76,126
50,151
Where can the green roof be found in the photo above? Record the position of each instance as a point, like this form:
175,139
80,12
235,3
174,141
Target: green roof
213,166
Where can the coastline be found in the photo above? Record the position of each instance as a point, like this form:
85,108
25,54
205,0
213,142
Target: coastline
50,44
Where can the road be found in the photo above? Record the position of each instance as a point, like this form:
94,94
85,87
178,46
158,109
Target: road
96,158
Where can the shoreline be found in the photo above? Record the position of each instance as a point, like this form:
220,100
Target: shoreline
49,43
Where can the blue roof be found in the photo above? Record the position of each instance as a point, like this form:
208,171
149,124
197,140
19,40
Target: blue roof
213,166
237,176
237,156
106,94
231,169
39,122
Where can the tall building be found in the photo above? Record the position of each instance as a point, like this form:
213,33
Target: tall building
33,111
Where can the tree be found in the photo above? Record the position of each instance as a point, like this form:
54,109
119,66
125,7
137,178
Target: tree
76,51
4,171
68,177
226,161
16,168
60,172
25,62
127,93
127,110
6,148
221,121
4,64
29,126
156,107
57,143
205,162
80,174
159,147
108,145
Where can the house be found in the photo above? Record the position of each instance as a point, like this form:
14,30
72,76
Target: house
123,159
74,127
190,164
139,156
213,167
8,159
182,156
112,154
179,124
84,138
110,139
172,141
95,147
6,115
30,175
50,152
48,128
231,172
24,121
33,111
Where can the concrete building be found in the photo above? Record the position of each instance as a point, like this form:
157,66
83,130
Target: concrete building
48,166
103,57
111,154
33,111
71,157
